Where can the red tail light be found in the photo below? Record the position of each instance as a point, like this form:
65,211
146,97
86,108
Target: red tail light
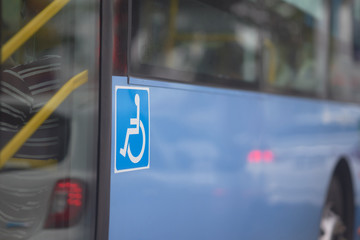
67,203
256,156
268,156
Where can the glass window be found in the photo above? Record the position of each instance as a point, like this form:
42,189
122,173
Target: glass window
341,79
48,130
293,45
356,50
201,41
120,31
356,30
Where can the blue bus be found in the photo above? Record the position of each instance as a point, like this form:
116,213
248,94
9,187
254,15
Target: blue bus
180,119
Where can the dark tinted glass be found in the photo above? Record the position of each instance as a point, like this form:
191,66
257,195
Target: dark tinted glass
356,30
356,50
120,24
195,41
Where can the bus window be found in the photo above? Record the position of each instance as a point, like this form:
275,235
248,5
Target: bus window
290,47
120,22
356,49
195,41
356,30
341,81
48,99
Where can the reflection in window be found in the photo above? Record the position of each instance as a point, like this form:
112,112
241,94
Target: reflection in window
290,60
46,184
25,89
191,37
356,30
356,50
340,65
30,77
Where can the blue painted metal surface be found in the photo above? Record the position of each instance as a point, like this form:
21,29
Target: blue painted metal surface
206,179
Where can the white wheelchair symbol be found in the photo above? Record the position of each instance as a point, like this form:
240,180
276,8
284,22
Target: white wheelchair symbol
134,131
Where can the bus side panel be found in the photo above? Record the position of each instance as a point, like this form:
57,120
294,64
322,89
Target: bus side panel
308,138
206,180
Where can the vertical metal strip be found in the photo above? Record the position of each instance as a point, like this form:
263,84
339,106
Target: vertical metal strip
104,154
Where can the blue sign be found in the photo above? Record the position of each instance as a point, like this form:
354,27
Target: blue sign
132,129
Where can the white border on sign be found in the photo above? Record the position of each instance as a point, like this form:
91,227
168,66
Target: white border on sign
115,113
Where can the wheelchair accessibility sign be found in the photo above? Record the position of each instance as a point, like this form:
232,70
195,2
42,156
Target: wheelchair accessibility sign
132,128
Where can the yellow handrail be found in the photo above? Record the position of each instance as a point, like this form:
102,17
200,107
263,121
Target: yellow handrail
273,63
217,37
20,138
31,28
31,163
174,8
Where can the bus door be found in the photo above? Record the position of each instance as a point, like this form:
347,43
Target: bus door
48,118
